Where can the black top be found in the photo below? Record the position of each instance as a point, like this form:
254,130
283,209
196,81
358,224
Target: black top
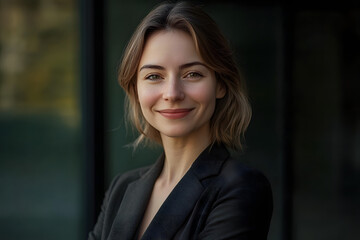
218,198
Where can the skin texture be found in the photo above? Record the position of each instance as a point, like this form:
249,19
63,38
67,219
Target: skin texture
173,77
177,93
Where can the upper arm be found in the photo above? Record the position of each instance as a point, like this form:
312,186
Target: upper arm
242,209
112,201
96,233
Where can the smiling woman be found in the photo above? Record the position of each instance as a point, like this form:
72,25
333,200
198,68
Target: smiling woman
174,84
185,93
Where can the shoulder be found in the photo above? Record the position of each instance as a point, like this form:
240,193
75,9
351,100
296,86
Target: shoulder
248,188
122,180
219,171
118,186
241,202
234,172
236,180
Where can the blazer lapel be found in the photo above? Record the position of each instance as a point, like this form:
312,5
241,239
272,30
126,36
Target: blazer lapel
184,196
175,209
134,203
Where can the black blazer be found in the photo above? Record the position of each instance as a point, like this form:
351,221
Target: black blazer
218,198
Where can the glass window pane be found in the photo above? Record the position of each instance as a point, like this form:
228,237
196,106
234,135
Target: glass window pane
40,150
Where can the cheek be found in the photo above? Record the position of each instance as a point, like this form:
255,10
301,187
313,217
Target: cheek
147,97
203,94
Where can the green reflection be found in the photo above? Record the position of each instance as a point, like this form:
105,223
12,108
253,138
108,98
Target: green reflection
40,148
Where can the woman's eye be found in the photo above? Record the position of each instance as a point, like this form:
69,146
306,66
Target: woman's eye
193,75
153,77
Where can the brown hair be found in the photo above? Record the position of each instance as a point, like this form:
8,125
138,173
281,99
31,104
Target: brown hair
232,112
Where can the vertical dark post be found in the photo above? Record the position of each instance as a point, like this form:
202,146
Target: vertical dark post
92,76
287,104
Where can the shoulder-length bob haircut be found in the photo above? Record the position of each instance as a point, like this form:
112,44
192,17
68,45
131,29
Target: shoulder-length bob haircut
232,112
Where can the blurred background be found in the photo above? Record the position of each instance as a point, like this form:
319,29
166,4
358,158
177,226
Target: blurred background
62,128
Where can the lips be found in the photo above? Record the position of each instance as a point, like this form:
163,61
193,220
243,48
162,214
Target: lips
175,113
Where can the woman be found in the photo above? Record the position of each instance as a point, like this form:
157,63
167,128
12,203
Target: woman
185,93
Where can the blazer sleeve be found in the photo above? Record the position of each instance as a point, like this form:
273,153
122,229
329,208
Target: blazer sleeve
242,210
97,231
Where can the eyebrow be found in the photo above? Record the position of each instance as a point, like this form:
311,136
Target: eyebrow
186,65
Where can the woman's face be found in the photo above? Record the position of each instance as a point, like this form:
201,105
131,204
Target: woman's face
176,91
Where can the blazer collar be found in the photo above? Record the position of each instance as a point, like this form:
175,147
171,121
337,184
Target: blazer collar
210,161
134,203
169,218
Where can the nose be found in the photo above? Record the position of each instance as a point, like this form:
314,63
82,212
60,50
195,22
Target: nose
173,90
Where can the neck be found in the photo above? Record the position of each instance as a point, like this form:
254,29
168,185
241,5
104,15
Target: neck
180,153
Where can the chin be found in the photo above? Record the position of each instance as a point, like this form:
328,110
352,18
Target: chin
175,133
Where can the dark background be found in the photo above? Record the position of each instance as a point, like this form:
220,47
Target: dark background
63,135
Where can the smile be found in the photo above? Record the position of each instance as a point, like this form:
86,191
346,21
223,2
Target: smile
175,113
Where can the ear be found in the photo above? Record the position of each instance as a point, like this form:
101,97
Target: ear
220,90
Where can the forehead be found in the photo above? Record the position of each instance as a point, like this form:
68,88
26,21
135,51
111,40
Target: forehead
167,47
